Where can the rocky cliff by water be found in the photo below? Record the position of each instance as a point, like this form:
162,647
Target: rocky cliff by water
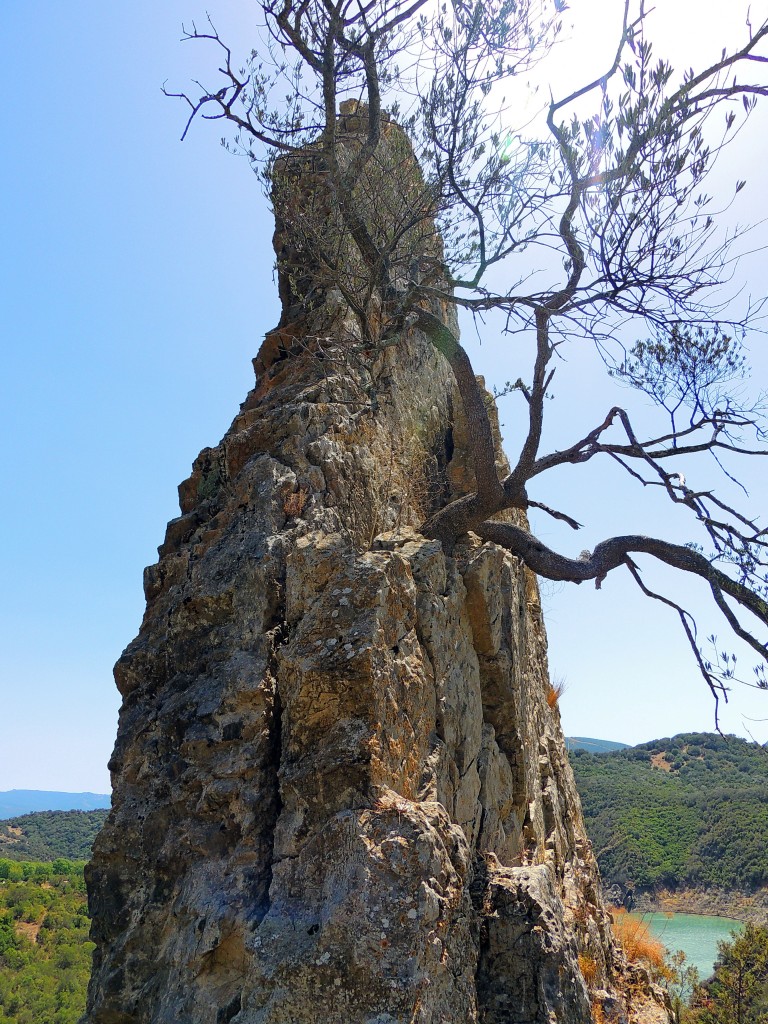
341,793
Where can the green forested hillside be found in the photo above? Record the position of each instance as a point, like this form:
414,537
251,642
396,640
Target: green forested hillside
45,954
46,835
686,811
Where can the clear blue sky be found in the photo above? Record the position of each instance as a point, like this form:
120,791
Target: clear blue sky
136,284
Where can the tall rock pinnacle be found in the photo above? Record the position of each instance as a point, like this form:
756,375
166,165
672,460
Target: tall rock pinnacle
341,794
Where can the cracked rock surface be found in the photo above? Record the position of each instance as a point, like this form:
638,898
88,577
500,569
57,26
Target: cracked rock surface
340,792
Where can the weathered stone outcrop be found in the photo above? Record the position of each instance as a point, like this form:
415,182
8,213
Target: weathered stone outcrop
341,792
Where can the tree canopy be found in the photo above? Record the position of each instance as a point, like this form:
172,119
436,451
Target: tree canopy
591,224
738,991
45,951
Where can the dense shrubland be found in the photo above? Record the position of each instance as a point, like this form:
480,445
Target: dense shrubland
687,811
46,835
45,953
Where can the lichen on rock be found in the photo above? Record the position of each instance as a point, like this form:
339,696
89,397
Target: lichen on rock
340,792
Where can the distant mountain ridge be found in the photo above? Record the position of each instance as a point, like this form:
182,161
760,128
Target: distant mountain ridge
15,802
592,745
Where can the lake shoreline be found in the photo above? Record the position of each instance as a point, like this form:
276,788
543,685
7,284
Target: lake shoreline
697,936
750,908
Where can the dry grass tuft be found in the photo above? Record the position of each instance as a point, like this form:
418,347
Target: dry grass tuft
588,968
29,929
636,940
293,503
555,690
598,1014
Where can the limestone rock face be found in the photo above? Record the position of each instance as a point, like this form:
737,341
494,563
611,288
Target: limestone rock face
341,794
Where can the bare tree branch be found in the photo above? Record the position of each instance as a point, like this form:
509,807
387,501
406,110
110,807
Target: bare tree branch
600,231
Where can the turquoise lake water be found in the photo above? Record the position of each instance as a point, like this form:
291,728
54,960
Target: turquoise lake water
696,935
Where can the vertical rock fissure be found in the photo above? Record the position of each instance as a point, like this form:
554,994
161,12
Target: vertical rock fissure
279,636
